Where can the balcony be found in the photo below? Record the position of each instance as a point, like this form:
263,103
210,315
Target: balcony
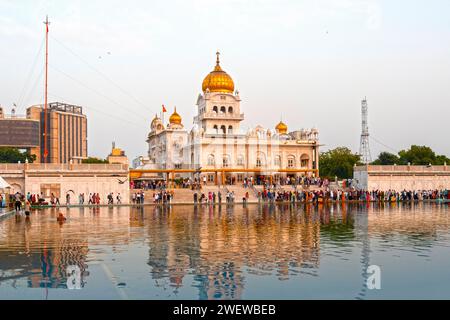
220,115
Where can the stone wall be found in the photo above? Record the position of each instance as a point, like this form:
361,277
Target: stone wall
68,178
402,177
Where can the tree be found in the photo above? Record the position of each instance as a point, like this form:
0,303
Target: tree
14,155
441,159
386,158
421,155
338,162
94,160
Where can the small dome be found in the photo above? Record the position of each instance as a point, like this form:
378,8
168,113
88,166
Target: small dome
157,123
281,128
218,80
175,118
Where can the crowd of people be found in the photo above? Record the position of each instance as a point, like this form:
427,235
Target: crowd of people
352,195
40,199
162,196
212,197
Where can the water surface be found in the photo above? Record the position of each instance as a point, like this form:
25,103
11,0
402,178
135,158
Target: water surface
228,252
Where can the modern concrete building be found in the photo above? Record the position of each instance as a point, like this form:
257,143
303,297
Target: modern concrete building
67,132
401,177
19,132
66,127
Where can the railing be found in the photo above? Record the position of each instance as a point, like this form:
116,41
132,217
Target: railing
11,166
14,116
219,115
63,167
401,168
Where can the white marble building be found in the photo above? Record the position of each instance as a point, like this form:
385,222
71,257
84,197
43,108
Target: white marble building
217,140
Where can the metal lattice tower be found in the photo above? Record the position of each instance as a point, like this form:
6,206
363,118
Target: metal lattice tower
364,150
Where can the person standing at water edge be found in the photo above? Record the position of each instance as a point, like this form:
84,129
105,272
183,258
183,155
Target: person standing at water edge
27,208
18,201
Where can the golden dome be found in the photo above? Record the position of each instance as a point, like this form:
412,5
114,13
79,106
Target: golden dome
175,118
218,80
116,152
281,128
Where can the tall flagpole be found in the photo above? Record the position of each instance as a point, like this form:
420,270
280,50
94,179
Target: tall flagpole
46,22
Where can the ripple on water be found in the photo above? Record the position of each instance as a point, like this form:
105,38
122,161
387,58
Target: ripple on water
217,253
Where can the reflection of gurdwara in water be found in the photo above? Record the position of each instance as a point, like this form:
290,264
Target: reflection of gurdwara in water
220,250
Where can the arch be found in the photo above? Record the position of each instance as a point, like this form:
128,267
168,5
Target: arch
230,129
215,109
230,109
277,161
290,161
224,129
260,159
304,160
15,187
223,109
216,128
225,161
240,160
211,160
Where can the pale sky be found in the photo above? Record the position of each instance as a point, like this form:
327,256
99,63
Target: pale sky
310,62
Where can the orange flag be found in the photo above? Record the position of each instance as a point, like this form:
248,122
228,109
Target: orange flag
164,108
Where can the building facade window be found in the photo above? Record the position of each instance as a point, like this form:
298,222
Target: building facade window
230,129
291,162
211,160
240,160
225,162
230,109
277,161
215,109
304,161
223,109
258,163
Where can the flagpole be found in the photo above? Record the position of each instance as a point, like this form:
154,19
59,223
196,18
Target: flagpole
46,86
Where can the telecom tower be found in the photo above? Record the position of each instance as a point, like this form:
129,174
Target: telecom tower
364,150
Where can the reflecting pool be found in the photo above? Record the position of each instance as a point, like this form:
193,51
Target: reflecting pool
228,252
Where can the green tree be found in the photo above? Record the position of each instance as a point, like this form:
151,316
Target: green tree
421,155
386,158
338,162
441,159
94,160
14,155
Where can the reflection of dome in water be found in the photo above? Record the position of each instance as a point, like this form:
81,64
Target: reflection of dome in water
281,128
218,80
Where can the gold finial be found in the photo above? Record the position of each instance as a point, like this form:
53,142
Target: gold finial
217,60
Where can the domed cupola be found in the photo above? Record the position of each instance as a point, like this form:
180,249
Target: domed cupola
281,128
175,118
218,80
